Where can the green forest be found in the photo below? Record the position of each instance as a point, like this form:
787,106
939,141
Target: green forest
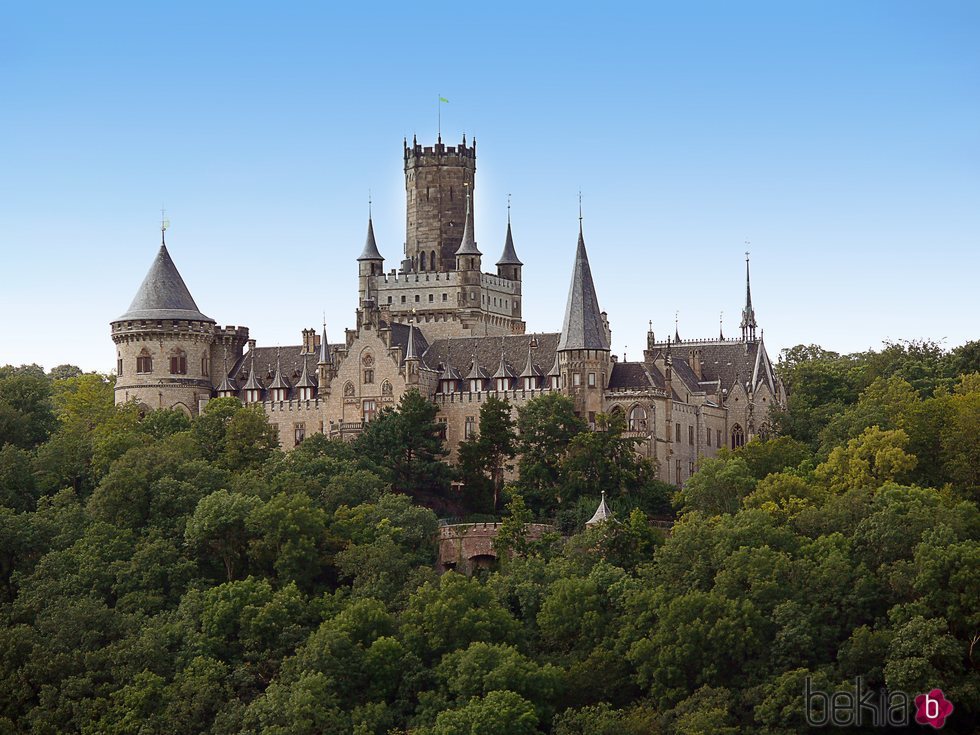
161,574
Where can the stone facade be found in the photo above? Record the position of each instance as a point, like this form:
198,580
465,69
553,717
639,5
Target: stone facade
441,325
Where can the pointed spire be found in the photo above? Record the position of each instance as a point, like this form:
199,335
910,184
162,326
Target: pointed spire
410,353
721,331
748,324
370,251
227,384
677,334
278,381
253,382
503,369
583,328
509,256
602,513
324,358
468,245
477,372
530,369
306,378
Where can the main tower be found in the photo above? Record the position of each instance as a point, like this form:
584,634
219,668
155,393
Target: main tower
437,181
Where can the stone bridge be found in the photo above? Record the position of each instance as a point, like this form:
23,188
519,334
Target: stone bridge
467,547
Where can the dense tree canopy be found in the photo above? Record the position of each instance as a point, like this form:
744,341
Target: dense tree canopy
160,574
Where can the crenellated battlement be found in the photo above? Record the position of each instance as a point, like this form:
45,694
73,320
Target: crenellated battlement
440,154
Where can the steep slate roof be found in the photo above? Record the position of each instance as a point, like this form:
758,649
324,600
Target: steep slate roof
582,328
306,378
728,362
400,334
486,350
291,360
602,513
370,251
163,294
630,375
509,256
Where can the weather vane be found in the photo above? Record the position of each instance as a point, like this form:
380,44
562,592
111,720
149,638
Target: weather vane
164,224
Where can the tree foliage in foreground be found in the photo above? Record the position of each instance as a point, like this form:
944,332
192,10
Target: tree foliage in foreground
160,574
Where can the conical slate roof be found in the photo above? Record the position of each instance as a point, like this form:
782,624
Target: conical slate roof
477,372
370,251
583,328
509,256
253,382
306,378
163,294
504,370
450,373
324,358
468,245
530,369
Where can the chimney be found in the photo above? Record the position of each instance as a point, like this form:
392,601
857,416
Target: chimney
694,360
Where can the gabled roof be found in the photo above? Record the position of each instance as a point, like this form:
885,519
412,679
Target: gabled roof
163,294
509,256
370,251
630,375
583,328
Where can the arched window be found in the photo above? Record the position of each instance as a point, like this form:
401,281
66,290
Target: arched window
422,260
738,436
638,419
432,260
144,361
386,388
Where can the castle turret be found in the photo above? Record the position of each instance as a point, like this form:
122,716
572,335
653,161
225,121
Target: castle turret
370,263
325,365
583,348
163,342
437,179
509,265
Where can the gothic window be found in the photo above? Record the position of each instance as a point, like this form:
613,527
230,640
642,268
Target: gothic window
441,422
677,432
119,366
432,260
299,433
178,362
708,437
386,388
144,362
690,435
592,380
638,419
348,389
718,438
369,408
677,472
738,437
205,367
421,261
469,428
369,376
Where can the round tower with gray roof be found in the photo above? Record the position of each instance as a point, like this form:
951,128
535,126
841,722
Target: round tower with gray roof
163,343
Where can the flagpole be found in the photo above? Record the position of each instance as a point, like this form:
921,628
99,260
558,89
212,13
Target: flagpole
439,107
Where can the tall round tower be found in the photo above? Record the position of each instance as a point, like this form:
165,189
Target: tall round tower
163,343
437,180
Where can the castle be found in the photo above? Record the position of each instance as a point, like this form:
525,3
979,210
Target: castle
439,324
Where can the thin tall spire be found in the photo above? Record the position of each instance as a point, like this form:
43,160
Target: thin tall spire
324,357
748,324
677,334
509,256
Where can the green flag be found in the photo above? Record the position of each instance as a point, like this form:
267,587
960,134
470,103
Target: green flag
443,99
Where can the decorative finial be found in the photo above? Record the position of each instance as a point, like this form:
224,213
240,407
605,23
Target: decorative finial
508,209
650,325
580,209
370,203
164,224
747,242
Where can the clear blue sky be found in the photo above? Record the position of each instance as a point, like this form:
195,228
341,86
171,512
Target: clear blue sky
840,138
